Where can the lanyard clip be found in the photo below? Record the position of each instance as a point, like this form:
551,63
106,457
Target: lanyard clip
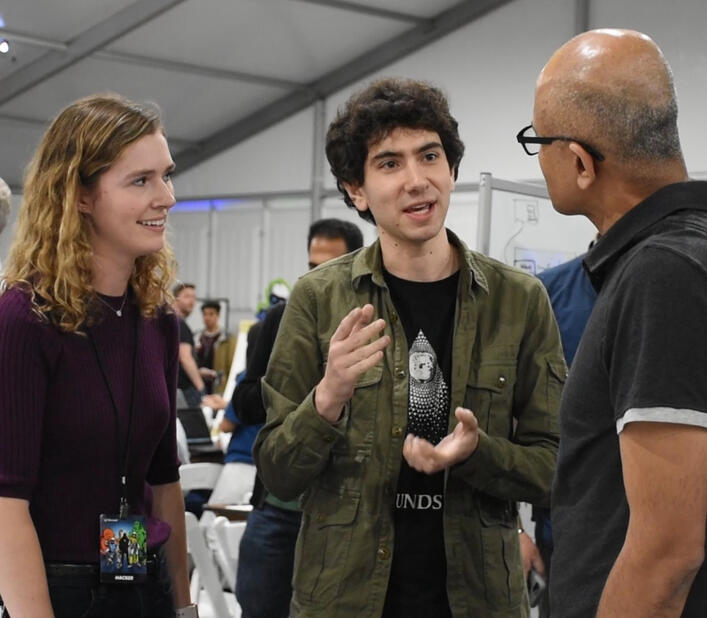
124,506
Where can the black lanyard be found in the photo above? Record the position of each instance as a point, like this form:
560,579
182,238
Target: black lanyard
122,465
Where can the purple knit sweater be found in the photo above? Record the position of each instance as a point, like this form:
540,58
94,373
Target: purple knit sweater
57,425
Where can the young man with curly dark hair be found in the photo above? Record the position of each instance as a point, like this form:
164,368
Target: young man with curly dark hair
412,392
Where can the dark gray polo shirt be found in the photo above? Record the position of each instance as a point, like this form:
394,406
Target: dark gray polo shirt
643,357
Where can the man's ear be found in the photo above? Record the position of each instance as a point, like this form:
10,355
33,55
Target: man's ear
584,166
357,196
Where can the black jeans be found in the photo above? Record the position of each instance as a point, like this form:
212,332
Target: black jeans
78,597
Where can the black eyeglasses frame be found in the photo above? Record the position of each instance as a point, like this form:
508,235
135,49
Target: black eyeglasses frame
523,140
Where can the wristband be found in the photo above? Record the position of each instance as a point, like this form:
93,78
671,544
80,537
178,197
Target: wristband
190,611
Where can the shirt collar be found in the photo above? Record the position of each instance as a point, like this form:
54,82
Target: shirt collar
636,223
369,262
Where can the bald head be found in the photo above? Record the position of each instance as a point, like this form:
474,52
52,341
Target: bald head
614,90
624,62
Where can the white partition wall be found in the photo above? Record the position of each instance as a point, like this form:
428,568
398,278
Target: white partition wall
233,248
236,250
189,236
463,214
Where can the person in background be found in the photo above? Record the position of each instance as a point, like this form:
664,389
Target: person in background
629,500
190,381
412,391
572,297
214,349
89,358
5,204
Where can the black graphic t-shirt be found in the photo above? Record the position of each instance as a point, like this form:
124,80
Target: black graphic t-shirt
417,585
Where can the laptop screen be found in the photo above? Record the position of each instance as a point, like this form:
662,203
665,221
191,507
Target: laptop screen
194,424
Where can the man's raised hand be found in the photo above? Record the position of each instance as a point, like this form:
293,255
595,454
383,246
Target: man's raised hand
354,348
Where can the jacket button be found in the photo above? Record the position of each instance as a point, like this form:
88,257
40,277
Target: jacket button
393,318
383,553
400,373
319,518
328,438
501,381
397,431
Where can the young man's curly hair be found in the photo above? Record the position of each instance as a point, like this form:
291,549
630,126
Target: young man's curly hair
371,114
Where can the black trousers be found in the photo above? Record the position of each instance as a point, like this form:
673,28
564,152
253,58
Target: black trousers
77,593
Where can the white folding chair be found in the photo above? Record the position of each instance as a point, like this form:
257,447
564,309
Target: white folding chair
208,577
234,485
227,536
199,475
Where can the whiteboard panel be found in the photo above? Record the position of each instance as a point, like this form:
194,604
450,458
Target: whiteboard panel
528,233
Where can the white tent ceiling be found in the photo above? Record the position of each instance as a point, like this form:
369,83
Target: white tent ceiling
221,70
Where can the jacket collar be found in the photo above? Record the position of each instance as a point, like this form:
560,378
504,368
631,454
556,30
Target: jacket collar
635,225
369,262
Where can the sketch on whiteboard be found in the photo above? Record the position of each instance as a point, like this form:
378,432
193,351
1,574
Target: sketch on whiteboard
534,261
526,210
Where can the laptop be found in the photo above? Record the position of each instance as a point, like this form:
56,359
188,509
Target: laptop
198,434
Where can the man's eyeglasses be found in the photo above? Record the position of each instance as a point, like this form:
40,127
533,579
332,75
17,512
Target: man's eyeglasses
531,142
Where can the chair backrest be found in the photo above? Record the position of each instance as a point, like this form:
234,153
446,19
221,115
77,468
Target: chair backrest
205,566
227,539
182,444
235,485
199,475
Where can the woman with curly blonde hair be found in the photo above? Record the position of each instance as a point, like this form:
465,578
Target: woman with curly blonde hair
89,360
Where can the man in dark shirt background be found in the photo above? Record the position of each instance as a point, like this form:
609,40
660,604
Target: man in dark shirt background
572,297
190,381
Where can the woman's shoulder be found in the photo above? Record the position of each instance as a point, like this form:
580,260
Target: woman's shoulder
16,307
165,322
21,327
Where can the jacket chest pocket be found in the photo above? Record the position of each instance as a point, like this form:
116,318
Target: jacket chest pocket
489,395
361,415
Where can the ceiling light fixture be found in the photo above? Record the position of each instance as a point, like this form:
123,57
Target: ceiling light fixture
4,46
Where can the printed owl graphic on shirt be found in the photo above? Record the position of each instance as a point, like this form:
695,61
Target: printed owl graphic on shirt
428,406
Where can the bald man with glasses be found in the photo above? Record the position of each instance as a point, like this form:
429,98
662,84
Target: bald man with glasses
629,500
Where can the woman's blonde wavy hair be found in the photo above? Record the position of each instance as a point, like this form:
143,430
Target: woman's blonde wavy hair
51,254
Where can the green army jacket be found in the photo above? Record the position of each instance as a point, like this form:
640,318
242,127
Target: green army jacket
507,367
